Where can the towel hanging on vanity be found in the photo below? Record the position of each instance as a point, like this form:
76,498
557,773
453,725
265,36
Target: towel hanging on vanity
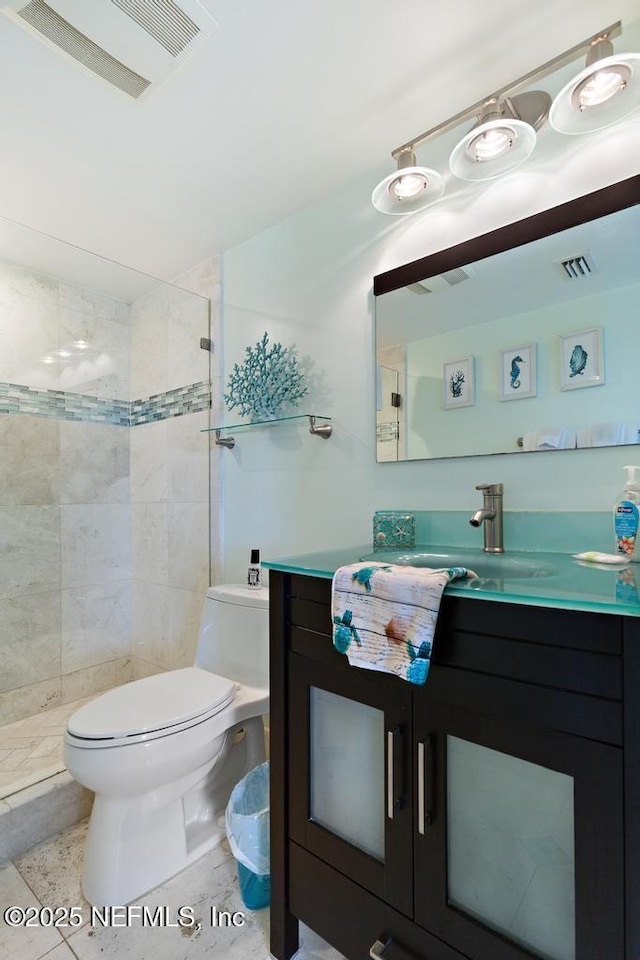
384,615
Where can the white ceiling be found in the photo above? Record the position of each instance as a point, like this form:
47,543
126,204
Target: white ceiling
286,102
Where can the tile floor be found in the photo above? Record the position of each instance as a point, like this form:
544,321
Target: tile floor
31,749
49,876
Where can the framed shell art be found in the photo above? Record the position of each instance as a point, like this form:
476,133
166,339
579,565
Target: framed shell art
581,359
518,372
457,383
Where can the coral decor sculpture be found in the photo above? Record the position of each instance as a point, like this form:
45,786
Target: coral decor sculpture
266,383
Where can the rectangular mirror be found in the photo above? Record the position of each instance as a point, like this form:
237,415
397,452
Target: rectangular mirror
520,340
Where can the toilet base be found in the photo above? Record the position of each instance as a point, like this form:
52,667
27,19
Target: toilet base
136,843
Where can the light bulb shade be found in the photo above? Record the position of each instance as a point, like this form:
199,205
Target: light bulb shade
598,96
492,148
408,190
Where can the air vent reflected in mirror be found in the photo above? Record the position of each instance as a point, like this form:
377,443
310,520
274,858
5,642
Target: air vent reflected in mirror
579,267
451,278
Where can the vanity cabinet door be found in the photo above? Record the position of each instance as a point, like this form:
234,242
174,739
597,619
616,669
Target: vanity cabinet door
519,838
350,774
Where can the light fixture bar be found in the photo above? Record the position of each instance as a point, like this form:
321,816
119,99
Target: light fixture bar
547,68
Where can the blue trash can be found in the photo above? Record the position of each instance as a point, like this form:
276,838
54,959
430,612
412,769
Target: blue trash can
254,888
247,824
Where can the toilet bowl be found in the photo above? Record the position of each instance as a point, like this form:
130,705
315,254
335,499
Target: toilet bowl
162,754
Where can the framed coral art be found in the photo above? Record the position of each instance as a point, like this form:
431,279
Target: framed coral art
518,372
457,383
581,359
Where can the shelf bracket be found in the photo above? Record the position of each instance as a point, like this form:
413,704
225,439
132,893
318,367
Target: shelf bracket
324,430
228,442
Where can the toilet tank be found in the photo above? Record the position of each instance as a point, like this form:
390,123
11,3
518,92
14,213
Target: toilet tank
234,634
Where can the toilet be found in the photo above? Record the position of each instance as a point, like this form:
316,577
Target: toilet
162,754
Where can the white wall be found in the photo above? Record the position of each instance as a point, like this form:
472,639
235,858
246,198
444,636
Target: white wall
308,280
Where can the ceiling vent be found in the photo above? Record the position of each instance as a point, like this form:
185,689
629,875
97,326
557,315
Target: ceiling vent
131,44
457,275
579,267
418,288
451,278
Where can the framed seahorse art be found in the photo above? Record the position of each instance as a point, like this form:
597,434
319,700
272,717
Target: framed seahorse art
518,372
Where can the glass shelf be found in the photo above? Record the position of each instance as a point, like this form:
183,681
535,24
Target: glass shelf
323,430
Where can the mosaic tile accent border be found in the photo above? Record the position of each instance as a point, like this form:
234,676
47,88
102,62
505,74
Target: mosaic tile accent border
171,403
61,405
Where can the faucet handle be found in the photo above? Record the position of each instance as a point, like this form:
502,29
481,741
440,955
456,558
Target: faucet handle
494,489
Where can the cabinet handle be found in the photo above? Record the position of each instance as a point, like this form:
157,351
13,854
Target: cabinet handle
425,784
393,803
388,951
390,800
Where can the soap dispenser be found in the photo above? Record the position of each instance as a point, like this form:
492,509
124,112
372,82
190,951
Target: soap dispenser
626,517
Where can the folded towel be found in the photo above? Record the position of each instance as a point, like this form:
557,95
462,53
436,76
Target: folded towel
385,615
583,438
611,434
550,438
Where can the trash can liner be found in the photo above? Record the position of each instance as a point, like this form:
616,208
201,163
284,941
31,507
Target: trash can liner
247,820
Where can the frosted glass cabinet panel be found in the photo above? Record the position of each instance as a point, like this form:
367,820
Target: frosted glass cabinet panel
347,769
350,746
510,839
519,856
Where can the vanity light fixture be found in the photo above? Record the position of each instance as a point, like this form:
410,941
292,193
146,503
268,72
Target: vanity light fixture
503,138
507,121
607,90
409,189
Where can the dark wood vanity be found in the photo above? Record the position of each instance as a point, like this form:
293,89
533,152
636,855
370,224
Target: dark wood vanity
547,693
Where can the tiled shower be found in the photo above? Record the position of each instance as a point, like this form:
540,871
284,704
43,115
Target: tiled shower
104,474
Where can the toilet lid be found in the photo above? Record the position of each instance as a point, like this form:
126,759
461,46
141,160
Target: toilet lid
152,704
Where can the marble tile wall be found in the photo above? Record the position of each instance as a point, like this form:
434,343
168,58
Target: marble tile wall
65,543
104,530
170,517
170,538
58,336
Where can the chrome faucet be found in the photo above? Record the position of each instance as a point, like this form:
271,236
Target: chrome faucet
490,516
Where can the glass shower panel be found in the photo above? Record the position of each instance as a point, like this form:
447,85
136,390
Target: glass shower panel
347,769
510,836
104,477
387,419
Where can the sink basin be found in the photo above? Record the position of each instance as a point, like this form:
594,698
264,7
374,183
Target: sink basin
495,566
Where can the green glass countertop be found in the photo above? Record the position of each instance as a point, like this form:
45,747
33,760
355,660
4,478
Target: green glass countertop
565,583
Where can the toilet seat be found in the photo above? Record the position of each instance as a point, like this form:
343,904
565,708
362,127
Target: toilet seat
147,709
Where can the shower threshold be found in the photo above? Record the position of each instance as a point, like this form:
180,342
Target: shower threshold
31,748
